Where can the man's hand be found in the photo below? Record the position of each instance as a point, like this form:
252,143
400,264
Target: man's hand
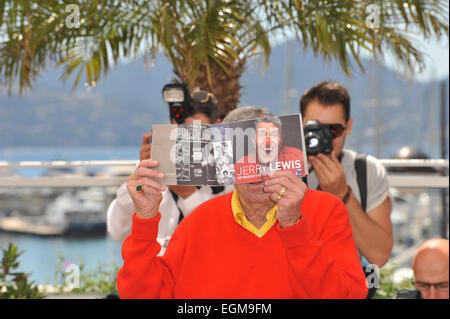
146,202
330,173
289,205
146,147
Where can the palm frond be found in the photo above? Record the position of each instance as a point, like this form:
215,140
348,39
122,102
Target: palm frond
200,37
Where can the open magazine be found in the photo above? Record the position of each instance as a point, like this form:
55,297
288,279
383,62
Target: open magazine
229,153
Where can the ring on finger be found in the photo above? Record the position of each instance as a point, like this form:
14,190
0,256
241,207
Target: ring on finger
280,194
140,189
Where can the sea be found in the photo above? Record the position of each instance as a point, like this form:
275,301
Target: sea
42,257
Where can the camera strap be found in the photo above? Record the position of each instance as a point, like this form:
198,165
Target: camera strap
361,178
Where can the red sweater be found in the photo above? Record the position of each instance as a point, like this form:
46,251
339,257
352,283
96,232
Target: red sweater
211,256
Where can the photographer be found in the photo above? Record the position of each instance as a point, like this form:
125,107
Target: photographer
178,201
329,104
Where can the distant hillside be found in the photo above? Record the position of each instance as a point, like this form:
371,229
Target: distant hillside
125,104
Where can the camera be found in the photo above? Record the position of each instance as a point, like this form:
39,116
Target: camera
183,101
409,294
318,138
178,97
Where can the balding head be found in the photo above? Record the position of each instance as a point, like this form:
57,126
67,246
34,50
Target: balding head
431,266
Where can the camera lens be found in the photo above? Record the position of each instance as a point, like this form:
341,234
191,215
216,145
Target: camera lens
318,138
313,143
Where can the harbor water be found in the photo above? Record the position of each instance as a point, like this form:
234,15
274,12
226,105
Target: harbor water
43,255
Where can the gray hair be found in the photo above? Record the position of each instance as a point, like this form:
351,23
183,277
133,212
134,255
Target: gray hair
247,113
257,113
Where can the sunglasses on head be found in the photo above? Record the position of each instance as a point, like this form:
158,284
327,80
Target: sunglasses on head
202,96
336,129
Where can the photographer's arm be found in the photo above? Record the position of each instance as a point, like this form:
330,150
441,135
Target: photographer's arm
372,231
118,216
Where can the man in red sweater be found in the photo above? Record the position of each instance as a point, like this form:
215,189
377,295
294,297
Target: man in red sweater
269,239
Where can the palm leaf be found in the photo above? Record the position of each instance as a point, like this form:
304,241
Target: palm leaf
206,36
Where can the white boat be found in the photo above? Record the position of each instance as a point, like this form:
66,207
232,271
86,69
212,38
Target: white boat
80,213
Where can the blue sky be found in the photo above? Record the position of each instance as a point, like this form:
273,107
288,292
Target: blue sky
436,59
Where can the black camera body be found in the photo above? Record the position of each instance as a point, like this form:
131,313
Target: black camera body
409,294
318,138
177,95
